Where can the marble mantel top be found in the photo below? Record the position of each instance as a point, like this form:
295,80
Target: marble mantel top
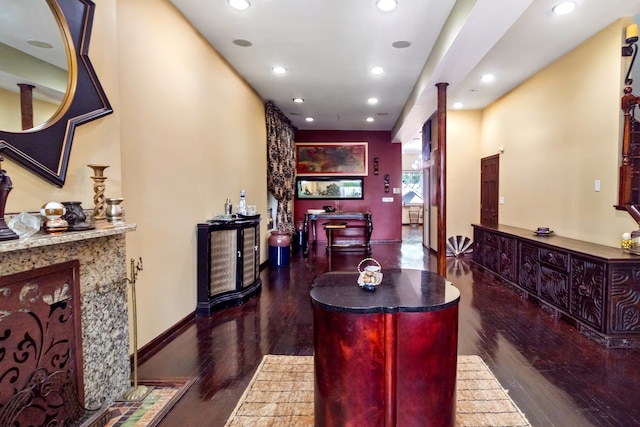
44,239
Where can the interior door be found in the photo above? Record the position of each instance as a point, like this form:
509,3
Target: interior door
489,174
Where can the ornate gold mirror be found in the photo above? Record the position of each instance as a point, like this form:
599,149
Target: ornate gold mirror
47,83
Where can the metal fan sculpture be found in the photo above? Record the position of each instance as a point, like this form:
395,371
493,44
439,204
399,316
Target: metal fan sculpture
459,245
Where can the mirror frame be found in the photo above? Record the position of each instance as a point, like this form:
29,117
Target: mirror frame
45,150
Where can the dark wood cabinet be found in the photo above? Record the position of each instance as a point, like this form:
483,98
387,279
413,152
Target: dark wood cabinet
595,287
228,264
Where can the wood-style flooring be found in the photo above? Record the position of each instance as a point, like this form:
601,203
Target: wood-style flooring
555,375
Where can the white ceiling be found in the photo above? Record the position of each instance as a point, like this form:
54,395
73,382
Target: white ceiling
328,47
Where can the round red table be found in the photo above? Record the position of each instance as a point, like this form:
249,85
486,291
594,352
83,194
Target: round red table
385,358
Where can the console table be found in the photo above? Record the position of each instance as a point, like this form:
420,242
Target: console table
388,357
311,218
595,287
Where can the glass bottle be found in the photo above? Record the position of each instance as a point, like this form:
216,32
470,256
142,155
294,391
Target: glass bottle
242,206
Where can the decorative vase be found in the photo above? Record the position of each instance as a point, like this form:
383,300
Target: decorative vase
75,216
114,210
99,212
279,250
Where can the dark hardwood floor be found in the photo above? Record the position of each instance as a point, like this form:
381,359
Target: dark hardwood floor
555,375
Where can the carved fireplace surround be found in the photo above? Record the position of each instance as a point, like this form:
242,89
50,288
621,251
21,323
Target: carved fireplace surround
103,299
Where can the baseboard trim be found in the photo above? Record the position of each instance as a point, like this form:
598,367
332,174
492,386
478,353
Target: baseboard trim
156,344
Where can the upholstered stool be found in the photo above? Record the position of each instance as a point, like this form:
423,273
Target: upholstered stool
329,228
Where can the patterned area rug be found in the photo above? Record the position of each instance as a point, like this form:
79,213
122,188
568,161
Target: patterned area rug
281,394
149,411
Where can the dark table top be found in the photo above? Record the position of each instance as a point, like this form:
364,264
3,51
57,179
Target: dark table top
401,290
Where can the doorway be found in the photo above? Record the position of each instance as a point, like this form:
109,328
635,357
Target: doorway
489,175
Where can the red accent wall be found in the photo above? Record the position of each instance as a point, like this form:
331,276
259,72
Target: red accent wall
387,217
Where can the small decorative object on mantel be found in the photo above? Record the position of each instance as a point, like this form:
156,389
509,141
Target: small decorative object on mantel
114,210
76,217
53,212
5,187
370,275
99,210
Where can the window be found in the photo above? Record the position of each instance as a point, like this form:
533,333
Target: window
412,187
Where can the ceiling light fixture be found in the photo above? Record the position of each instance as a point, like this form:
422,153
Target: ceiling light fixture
242,43
40,44
401,44
239,4
564,7
386,5
298,100
372,101
308,119
370,119
457,105
488,78
376,71
279,70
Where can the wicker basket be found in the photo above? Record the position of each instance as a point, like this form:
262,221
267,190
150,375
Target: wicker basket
370,275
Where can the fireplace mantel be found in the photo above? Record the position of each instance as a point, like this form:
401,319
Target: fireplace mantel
103,295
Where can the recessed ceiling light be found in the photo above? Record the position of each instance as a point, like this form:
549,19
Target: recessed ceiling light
40,44
386,5
564,8
377,70
401,44
309,119
457,105
279,70
239,4
488,78
242,43
372,101
369,119
298,100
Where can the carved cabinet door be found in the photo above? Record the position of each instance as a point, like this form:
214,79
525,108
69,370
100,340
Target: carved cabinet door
587,290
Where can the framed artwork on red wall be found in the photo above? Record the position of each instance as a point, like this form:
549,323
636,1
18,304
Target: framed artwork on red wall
332,158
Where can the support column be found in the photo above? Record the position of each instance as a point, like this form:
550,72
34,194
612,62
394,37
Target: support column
441,176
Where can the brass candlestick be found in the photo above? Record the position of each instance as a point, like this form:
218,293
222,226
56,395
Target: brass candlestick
99,211
136,392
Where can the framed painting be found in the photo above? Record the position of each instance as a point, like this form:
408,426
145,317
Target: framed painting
332,158
326,188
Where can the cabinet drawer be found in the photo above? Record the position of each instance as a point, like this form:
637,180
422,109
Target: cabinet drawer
555,258
491,239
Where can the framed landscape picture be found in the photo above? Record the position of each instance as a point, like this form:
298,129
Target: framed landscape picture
332,158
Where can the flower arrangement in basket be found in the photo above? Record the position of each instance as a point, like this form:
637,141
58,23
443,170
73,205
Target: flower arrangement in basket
370,275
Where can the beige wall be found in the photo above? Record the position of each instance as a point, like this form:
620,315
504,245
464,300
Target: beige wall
463,177
186,133
192,134
561,131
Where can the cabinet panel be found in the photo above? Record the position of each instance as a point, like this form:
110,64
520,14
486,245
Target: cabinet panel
507,267
528,267
223,261
554,287
625,299
587,291
250,256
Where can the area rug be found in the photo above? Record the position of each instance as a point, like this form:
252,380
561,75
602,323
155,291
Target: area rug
149,411
281,394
